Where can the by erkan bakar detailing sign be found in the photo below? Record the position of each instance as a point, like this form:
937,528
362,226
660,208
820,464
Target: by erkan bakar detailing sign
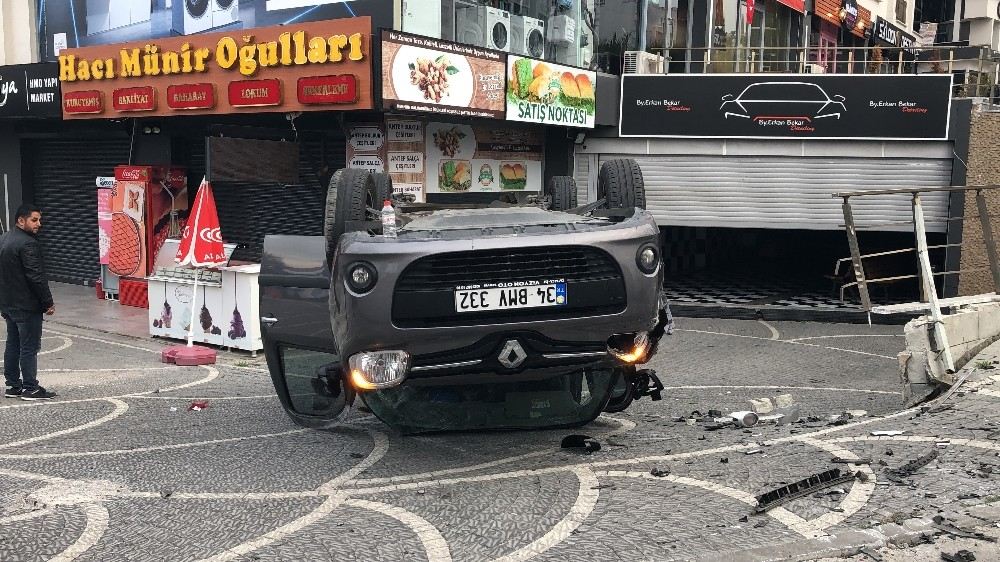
30,90
809,106
301,67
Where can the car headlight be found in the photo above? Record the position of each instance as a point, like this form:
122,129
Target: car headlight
630,348
375,370
361,277
648,259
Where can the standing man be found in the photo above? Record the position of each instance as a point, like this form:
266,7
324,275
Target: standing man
24,297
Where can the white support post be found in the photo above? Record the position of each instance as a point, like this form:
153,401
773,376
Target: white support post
927,275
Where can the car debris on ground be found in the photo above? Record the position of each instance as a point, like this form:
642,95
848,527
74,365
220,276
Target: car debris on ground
905,471
585,443
802,488
960,556
949,528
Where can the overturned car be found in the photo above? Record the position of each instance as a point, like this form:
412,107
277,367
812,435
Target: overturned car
518,314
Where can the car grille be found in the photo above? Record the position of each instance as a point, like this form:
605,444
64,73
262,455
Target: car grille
445,271
424,293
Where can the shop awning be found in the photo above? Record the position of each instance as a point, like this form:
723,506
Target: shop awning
797,5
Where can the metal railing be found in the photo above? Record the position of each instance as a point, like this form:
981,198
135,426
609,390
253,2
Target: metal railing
981,65
925,274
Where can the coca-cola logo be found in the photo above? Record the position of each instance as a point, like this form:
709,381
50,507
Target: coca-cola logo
133,174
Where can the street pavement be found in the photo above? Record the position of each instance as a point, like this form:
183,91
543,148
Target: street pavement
119,467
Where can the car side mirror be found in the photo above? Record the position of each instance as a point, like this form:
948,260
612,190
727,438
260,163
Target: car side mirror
839,97
727,97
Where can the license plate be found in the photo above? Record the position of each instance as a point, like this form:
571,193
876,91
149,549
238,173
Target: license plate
506,298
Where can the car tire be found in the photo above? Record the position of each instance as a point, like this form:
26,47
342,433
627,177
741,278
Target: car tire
621,398
562,191
383,189
620,183
347,199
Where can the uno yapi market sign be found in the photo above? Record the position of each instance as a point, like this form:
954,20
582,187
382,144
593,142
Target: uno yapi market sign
311,66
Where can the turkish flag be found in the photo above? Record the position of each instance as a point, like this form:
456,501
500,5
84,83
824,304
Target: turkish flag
201,244
750,5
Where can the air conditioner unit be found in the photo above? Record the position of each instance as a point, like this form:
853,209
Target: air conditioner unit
815,69
225,12
641,62
497,28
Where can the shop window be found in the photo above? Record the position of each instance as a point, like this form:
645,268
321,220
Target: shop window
555,30
901,11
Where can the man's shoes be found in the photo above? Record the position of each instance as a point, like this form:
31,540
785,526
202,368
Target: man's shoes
37,394
12,392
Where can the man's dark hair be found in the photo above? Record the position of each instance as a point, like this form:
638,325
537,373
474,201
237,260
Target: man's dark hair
25,210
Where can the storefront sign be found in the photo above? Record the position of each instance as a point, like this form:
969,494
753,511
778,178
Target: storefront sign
406,163
886,33
29,90
105,182
369,162
366,139
191,96
405,131
255,93
877,106
258,69
550,94
849,14
338,89
85,102
430,75
142,98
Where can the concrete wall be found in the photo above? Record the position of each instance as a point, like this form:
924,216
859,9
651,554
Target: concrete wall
969,331
18,32
984,169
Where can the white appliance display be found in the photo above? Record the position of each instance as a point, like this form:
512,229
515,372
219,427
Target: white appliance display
225,12
196,16
496,28
528,36
105,15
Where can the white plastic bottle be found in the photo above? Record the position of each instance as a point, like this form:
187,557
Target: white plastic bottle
388,220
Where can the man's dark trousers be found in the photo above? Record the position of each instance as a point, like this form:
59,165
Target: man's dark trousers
20,358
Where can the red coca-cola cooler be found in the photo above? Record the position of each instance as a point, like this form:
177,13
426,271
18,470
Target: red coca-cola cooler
144,206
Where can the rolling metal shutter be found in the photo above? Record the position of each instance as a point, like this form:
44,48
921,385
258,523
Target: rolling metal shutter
249,211
62,174
581,174
787,192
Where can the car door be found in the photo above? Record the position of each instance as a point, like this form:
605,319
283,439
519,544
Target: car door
295,325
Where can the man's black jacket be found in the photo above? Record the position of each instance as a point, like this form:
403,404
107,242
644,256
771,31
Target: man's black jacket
23,284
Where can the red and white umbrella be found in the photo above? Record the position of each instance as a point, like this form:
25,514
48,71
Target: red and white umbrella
201,243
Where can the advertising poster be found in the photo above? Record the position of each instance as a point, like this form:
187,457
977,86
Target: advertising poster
366,147
427,74
550,94
104,223
464,159
81,23
809,106
405,151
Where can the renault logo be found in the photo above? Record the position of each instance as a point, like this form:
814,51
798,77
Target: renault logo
512,354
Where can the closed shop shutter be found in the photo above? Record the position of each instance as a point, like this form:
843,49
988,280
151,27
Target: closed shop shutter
62,174
581,174
249,211
787,192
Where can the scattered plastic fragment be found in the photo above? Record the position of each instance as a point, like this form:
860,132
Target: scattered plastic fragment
173,408
754,452
912,466
358,455
198,405
960,556
890,433
947,527
165,494
744,418
660,473
870,553
802,488
840,460
584,442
